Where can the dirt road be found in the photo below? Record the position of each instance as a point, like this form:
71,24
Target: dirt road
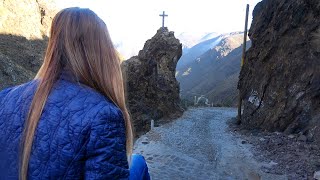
198,146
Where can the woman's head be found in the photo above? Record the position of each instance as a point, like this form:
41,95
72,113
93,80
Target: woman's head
79,41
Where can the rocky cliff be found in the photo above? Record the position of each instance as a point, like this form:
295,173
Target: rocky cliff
280,79
24,26
153,91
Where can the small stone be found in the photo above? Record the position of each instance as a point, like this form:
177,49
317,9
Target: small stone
254,176
314,147
277,133
316,175
302,138
272,163
269,165
243,142
291,136
145,140
262,139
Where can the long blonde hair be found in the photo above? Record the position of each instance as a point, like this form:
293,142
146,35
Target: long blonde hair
79,40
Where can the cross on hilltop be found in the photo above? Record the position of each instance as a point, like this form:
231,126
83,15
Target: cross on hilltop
163,16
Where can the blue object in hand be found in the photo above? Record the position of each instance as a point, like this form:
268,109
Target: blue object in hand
138,168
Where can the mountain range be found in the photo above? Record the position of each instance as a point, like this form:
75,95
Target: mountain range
189,39
211,69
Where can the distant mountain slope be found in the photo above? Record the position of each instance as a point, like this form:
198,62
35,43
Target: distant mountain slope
225,92
207,42
191,54
214,74
188,39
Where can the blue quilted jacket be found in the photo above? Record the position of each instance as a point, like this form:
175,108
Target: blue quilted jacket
80,135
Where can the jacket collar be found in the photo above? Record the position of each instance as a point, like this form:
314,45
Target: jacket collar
67,75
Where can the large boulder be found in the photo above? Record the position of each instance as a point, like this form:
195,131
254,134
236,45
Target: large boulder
24,27
153,91
280,79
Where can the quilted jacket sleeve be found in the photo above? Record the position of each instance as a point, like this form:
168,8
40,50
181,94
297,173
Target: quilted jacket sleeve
106,149
3,93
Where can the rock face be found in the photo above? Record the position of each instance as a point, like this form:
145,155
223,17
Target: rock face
280,79
24,26
153,91
28,18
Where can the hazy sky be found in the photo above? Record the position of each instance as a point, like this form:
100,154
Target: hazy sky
134,21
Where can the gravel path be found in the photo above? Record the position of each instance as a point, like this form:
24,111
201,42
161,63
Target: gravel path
198,146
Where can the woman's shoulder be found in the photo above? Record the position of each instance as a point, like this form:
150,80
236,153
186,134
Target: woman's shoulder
78,96
18,91
77,91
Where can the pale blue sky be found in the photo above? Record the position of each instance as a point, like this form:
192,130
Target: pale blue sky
132,22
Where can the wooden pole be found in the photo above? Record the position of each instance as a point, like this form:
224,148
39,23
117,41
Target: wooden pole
244,47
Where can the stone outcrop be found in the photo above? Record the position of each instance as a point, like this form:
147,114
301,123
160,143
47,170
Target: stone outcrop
280,79
27,18
152,89
24,26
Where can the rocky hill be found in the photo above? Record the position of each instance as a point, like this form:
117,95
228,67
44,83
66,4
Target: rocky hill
214,73
23,37
153,91
280,79
190,54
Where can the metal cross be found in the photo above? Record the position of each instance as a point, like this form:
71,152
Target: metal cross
163,16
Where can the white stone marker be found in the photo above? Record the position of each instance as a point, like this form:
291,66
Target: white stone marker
317,175
152,124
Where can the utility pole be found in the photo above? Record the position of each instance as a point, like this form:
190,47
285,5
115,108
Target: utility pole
244,47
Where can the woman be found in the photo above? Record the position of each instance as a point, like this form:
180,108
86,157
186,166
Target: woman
71,122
